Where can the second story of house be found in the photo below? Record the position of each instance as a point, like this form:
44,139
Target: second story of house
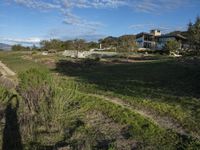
147,40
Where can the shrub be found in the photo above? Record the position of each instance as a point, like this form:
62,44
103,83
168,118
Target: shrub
172,47
34,53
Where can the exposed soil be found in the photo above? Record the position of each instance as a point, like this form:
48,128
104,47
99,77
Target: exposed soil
7,76
164,122
104,132
5,71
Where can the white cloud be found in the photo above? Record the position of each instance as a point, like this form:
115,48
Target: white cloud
32,40
92,3
39,4
74,20
138,5
158,6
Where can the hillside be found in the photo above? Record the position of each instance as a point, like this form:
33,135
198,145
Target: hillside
5,46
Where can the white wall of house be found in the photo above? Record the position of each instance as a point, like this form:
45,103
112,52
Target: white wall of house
156,32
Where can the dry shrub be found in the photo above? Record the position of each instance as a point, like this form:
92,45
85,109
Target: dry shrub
7,83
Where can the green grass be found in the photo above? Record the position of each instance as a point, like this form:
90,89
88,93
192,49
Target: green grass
165,87
15,61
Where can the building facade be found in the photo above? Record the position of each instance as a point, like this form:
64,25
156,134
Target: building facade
156,41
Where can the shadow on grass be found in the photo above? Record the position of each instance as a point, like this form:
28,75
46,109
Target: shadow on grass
147,79
11,134
58,145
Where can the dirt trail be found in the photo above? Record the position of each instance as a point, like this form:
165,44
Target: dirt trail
164,122
5,71
7,76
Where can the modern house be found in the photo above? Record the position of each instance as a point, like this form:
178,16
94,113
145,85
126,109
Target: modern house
156,41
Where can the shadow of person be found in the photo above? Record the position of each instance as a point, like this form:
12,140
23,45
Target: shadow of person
11,134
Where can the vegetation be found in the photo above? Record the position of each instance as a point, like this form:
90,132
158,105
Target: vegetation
172,46
122,44
125,43
72,109
52,44
194,37
20,48
141,102
58,45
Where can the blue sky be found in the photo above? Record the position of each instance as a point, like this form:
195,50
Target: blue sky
30,21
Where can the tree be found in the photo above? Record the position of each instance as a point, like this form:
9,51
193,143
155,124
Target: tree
126,43
54,44
34,48
109,42
69,45
80,45
19,47
92,45
16,47
194,36
172,46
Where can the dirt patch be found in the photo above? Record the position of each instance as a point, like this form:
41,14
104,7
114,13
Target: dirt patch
164,122
5,71
101,132
7,76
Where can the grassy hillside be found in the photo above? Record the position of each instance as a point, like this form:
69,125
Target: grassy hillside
86,104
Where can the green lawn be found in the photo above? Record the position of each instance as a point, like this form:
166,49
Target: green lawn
74,117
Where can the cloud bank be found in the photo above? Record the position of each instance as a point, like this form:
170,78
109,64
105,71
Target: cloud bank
32,40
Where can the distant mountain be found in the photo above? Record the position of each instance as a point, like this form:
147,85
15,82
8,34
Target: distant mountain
5,47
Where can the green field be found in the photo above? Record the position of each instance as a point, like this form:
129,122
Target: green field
148,103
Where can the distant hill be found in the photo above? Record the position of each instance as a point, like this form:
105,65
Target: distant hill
183,33
5,46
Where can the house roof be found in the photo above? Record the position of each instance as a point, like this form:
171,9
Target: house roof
175,35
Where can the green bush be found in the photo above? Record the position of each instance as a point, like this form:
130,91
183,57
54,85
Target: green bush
172,47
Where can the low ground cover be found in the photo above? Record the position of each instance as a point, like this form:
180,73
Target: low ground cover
68,108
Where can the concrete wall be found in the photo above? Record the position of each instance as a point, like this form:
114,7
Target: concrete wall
86,54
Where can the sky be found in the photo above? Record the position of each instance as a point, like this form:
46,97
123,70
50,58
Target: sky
30,21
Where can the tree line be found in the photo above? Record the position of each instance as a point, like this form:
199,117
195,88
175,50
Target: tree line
122,43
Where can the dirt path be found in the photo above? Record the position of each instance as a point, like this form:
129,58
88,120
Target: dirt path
7,76
5,71
163,122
